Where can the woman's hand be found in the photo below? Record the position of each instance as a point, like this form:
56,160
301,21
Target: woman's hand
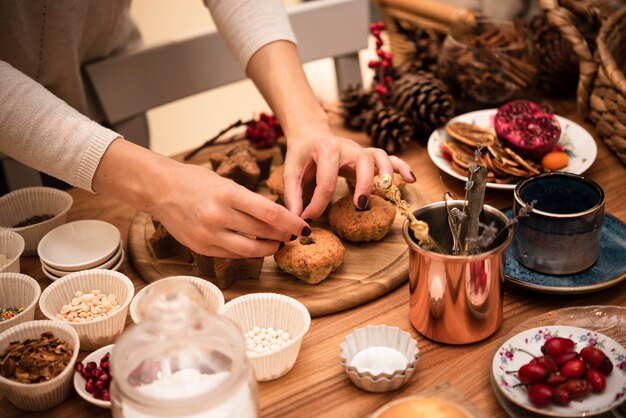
319,156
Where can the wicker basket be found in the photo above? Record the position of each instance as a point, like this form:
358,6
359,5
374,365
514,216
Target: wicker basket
601,92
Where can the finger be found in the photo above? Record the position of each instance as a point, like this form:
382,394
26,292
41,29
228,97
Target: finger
364,180
403,168
292,193
381,160
326,179
242,246
243,223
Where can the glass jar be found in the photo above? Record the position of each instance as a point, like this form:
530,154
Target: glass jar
486,63
181,361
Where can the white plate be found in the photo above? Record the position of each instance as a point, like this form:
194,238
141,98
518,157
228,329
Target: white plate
52,276
79,381
576,141
508,357
79,245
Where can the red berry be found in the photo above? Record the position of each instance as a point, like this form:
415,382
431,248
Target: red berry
373,64
540,394
85,373
555,379
545,362
573,369
376,32
79,366
557,345
105,395
379,43
596,359
381,25
563,358
577,388
89,387
560,396
532,373
596,379
104,365
382,90
91,365
380,53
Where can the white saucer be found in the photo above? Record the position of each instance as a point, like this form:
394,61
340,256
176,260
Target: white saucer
107,264
53,277
79,245
79,381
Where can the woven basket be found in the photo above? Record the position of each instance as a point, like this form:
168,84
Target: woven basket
427,14
601,92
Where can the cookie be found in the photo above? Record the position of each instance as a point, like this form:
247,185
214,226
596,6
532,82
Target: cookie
371,224
311,258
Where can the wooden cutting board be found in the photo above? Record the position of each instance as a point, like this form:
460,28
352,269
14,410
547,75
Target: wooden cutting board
369,270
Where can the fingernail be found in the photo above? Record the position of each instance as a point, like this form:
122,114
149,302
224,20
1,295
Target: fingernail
292,238
413,176
362,202
281,245
306,231
308,221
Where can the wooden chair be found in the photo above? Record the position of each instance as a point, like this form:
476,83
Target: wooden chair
129,84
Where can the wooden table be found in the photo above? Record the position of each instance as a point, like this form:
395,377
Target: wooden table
317,386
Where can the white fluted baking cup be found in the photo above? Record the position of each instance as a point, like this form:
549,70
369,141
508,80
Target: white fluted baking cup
99,332
271,310
18,290
23,204
45,395
11,246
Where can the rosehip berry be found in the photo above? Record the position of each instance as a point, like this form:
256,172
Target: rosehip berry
373,64
561,396
545,362
540,394
577,388
563,358
573,369
596,359
380,53
381,89
379,43
557,345
596,379
385,64
373,25
532,373
555,379
376,32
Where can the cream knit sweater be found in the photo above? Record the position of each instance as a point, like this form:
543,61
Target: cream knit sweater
46,110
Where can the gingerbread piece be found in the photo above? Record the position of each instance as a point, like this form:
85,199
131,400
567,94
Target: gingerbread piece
244,165
165,245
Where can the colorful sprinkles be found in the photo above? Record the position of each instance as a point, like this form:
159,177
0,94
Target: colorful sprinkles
10,312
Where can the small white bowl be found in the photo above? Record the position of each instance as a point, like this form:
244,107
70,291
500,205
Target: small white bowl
79,245
213,296
12,246
18,290
115,258
22,204
276,311
379,377
47,270
99,332
45,395
79,381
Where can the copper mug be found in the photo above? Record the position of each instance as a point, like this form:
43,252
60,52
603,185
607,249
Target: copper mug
456,299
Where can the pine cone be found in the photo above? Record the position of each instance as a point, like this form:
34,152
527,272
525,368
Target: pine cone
355,103
389,129
424,99
418,50
558,64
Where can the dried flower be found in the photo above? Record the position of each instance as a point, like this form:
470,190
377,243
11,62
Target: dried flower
469,184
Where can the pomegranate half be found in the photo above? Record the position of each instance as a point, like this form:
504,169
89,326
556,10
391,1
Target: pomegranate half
527,128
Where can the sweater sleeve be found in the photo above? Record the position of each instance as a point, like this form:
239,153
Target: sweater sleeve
42,131
247,25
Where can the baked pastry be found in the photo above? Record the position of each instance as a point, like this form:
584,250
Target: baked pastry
430,407
223,272
311,258
276,185
244,165
165,245
370,224
397,180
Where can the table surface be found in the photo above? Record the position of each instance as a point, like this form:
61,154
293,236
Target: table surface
317,385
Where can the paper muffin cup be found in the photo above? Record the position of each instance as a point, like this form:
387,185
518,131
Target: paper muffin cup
279,312
379,336
18,290
213,297
99,332
22,204
12,246
45,395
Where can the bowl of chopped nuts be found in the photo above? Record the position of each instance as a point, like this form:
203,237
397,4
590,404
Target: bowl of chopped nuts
11,249
273,326
94,302
32,212
52,347
19,295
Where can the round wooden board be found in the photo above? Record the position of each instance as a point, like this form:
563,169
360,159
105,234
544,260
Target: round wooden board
369,270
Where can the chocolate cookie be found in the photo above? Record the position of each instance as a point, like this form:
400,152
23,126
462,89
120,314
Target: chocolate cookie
311,258
371,224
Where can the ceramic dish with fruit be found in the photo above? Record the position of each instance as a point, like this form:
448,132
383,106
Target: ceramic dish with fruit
92,377
519,139
561,371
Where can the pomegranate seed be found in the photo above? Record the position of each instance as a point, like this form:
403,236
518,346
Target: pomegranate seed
105,395
89,387
91,365
79,366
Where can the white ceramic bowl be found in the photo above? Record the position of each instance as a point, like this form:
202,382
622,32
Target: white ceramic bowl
18,290
79,245
79,381
276,311
99,332
45,395
48,271
110,262
22,204
12,246
213,297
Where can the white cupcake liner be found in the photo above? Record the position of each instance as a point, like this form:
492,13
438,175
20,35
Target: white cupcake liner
40,396
279,312
18,290
99,332
379,336
213,296
12,246
23,204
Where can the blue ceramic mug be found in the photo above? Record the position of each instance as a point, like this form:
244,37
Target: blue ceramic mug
562,233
